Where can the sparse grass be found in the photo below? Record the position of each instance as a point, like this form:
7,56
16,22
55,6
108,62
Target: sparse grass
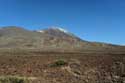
13,79
59,63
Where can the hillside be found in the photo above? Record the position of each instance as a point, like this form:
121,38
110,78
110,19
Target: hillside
50,39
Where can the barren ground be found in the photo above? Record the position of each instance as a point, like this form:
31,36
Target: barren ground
80,68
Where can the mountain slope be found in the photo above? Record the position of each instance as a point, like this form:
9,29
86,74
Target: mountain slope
47,39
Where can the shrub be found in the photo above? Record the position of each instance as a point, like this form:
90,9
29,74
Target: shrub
13,79
59,63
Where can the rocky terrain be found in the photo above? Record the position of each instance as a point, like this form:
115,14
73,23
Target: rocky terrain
66,68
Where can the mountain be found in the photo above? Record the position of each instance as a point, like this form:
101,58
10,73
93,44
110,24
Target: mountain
52,38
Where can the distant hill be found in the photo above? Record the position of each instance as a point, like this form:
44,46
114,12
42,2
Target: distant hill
53,38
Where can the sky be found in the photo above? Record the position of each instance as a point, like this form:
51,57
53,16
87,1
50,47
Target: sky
92,20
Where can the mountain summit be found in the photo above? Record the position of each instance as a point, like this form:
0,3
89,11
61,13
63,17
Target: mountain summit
57,29
59,33
53,38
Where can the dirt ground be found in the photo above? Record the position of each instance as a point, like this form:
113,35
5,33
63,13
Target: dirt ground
80,68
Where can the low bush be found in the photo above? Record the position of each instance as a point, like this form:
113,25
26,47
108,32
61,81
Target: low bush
59,63
13,79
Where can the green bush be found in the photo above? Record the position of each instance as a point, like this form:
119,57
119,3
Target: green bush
59,63
13,79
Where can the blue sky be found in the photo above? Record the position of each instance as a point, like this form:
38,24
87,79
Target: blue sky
92,20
